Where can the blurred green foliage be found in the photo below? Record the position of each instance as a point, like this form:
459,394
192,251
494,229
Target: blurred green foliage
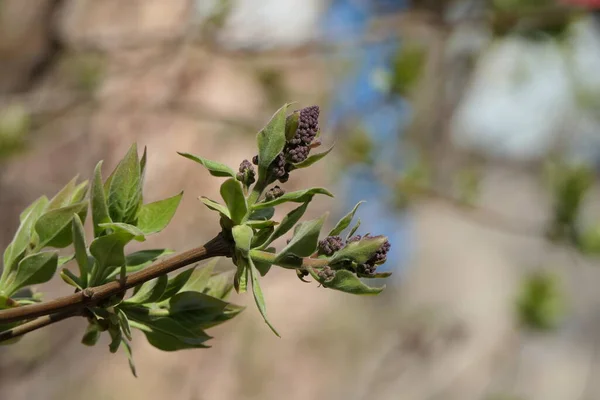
541,303
357,147
407,68
15,123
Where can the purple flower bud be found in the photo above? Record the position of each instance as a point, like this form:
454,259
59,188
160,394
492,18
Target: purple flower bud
330,245
274,193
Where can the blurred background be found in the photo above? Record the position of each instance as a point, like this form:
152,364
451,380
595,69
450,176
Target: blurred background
471,127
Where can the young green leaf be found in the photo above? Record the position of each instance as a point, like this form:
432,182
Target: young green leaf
301,196
35,205
200,277
150,291
262,236
233,195
70,279
175,284
359,252
262,266
271,140
166,342
108,252
139,260
54,227
305,239
353,230
346,281
313,158
287,223
261,224
116,336
91,335
22,238
258,296
242,235
154,217
32,270
124,323
215,168
127,349
63,197
263,214
240,280
345,222
213,205
98,200
79,192
79,245
220,285
125,188
125,228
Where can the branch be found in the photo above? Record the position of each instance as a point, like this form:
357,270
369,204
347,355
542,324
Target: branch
35,325
89,297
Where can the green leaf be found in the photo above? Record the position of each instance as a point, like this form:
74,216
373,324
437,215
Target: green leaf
271,140
125,188
124,323
240,280
258,295
139,260
233,195
22,237
262,236
262,266
353,230
359,252
91,335
346,281
79,245
54,227
79,193
98,199
154,217
62,260
215,168
127,349
176,284
117,338
300,196
200,278
125,228
33,269
70,279
219,285
262,214
313,158
213,205
345,222
187,314
36,204
165,342
261,224
287,223
109,253
63,198
150,291
305,239
242,235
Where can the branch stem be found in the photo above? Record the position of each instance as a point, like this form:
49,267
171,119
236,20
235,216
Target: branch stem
88,297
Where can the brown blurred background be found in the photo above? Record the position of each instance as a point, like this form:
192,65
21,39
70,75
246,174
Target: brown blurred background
453,108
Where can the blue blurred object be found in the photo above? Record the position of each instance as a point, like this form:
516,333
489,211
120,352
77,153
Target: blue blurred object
382,117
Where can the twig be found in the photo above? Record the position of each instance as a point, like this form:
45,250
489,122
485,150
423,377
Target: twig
91,296
35,325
